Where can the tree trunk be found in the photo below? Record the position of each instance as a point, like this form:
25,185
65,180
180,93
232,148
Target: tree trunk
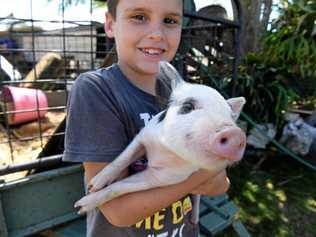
256,15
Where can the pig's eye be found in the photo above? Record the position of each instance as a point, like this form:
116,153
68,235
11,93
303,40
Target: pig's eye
187,107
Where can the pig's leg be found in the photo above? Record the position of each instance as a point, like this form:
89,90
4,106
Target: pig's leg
195,209
137,182
112,171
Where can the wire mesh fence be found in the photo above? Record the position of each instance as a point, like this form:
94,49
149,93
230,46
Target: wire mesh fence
38,67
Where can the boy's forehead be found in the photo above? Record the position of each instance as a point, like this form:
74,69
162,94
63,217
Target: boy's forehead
172,6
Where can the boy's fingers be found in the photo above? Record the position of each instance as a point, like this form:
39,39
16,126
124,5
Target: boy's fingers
214,186
202,176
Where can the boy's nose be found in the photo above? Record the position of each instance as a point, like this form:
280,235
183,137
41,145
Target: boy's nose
157,36
156,33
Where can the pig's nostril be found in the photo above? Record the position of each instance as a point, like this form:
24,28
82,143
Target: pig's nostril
229,144
223,140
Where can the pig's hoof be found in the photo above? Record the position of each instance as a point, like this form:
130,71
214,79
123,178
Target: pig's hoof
85,205
92,188
97,183
82,211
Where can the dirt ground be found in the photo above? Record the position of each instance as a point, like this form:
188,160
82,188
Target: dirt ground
25,143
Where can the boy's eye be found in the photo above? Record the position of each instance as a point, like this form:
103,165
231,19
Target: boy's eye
170,21
138,17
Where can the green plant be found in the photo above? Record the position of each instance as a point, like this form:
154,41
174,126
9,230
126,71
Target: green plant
271,199
265,88
290,45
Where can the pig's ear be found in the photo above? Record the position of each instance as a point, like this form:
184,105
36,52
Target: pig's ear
236,105
169,72
162,115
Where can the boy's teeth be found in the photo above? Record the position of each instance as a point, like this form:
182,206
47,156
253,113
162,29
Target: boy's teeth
151,51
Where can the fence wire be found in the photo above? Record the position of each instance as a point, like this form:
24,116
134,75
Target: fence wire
38,67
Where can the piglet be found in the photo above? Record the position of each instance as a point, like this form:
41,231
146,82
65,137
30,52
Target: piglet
196,131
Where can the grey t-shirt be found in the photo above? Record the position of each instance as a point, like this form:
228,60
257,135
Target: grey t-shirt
105,112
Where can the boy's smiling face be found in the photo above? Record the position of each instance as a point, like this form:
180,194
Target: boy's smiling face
145,32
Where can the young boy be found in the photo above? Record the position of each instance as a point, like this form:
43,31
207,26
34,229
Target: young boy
107,107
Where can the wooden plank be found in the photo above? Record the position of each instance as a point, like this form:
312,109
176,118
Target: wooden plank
46,224
3,226
213,204
56,98
41,177
42,200
240,229
301,111
202,235
218,200
75,228
214,223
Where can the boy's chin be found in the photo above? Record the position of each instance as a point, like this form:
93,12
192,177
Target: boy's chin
150,68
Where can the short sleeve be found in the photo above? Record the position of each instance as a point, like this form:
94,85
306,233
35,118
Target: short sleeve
94,130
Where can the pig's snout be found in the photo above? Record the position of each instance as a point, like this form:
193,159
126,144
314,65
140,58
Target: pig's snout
229,143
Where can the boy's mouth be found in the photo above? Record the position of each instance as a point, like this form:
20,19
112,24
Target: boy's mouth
152,51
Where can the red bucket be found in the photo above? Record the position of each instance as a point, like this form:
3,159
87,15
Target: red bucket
20,99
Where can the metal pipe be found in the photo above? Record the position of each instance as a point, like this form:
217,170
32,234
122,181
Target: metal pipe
40,34
40,163
48,51
32,110
80,23
212,19
54,81
30,138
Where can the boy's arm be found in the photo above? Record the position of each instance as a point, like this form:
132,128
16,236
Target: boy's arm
214,186
144,203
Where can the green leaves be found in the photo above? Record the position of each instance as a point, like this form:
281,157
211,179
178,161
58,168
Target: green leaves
307,6
314,31
290,44
265,89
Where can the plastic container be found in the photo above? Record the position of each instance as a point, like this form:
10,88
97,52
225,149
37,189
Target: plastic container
19,99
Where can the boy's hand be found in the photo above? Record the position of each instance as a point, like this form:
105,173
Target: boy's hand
214,186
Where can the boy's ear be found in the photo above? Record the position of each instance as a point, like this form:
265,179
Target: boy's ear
108,25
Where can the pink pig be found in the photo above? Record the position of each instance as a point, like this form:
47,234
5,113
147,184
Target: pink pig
196,131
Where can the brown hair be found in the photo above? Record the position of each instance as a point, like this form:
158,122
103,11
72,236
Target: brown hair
112,5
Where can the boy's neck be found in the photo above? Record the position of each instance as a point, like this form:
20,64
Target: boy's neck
144,82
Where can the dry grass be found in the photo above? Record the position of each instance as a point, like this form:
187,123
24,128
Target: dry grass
19,151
